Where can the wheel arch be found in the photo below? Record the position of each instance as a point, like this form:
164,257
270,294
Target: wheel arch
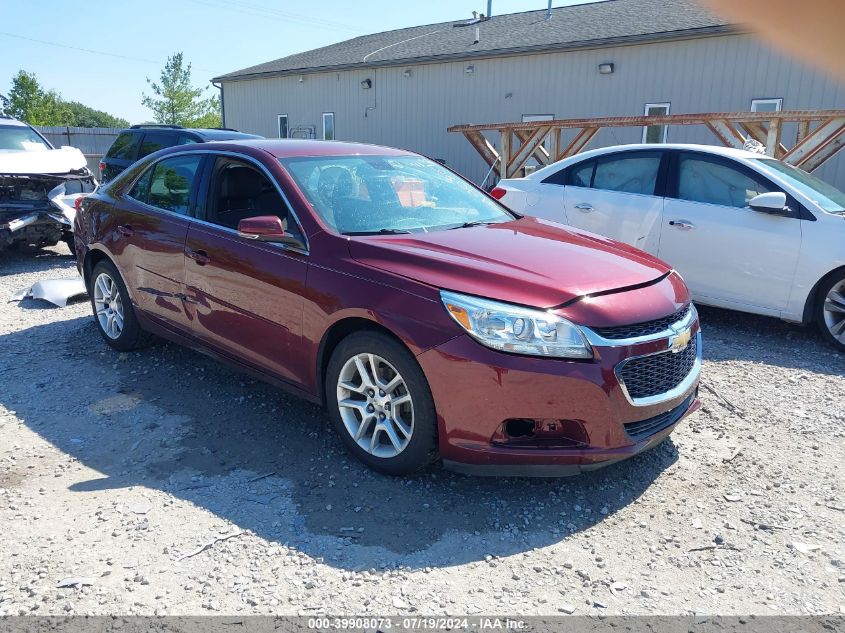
810,303
338,331
92,258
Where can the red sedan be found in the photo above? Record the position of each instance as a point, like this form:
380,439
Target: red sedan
432,322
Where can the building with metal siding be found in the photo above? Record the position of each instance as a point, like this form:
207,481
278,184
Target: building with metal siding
410,87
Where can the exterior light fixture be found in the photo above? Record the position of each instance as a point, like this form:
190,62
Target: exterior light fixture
367,84
407,72
301,78
606,68
469,70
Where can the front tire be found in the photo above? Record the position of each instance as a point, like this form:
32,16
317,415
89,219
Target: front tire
381,405
830,310
113,312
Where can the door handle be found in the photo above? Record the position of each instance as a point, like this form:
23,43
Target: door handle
683,225
200,256
584,206
125,230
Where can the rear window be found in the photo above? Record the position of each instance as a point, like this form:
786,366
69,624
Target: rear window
154,141
125,146
167,184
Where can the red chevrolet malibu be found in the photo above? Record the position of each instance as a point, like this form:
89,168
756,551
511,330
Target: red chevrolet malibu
430,320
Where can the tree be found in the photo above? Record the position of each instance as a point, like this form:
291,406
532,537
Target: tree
83,116
30,102
177,102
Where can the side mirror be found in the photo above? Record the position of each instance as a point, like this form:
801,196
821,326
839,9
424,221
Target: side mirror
773,202
267,228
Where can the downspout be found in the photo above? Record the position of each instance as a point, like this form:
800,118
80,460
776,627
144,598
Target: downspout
222,104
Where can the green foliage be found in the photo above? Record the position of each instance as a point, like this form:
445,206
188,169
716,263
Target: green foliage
84,116
176,102
30,102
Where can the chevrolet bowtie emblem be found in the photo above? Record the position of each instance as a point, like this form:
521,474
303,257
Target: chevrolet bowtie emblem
679,341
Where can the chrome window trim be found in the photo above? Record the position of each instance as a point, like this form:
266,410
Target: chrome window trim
221,152
683,387
599,341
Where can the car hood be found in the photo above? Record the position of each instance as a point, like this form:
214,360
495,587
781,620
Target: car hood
48,161
528,261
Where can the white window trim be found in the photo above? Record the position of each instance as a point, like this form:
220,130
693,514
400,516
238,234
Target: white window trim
334,129
778,101
279,125
665,104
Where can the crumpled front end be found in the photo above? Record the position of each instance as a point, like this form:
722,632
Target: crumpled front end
38,209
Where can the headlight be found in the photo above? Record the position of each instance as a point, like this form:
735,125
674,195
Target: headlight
511,328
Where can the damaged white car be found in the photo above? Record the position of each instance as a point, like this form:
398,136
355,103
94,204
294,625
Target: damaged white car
39,187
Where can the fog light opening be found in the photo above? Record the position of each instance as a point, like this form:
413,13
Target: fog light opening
520,428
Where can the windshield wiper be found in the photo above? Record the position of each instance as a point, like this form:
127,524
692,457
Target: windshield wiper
467,225
378,232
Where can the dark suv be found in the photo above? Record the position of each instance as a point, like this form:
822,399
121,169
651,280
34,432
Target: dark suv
141,140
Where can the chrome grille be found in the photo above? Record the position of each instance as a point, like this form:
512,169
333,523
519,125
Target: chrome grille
641,329
646,428
647,376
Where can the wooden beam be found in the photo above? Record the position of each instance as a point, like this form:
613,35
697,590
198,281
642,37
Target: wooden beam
773,146
484,148
662,119
526,150
815,141
541,153
821,134
579,142
726,133
505,152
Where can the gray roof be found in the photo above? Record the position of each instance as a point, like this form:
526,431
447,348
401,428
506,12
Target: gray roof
597,23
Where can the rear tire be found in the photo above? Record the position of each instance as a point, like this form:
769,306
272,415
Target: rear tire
381,405
113,311
830,310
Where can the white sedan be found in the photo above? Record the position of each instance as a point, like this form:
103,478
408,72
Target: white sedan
745,231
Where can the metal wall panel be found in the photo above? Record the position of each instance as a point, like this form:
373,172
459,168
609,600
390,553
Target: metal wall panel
708,74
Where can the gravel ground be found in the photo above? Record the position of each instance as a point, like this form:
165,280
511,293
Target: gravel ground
161,482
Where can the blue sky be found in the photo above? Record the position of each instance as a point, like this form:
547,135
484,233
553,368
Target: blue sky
129,41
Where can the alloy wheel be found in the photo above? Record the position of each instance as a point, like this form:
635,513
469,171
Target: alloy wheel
375,405
834,311
108,305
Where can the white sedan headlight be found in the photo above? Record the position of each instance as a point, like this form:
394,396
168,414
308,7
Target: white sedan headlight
511,328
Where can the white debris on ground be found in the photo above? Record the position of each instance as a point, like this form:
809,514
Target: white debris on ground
161,482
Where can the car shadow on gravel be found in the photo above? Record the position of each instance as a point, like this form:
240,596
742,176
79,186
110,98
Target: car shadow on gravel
31,259
730,335
170,419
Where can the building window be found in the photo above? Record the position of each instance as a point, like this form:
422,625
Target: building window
655,133
328,126
766,105
283,126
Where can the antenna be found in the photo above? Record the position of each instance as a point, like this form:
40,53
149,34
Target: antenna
549,11
489,9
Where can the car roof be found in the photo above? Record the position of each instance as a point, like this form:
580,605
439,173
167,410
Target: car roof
208,134
718,150
7,120
286,148
715,150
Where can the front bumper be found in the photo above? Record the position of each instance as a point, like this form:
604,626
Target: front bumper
476,390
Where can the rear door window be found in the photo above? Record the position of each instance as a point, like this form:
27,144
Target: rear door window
154,141
581,175
169,184
125,146
635,173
